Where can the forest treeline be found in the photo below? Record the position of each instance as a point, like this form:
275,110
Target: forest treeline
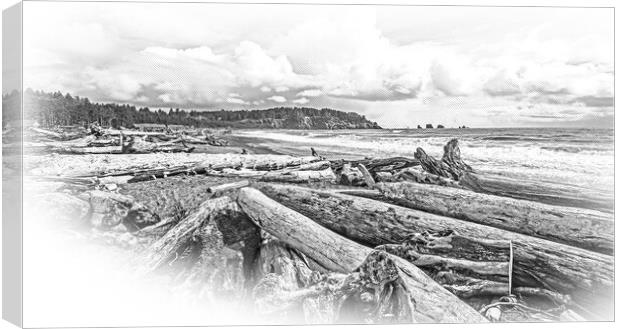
57,109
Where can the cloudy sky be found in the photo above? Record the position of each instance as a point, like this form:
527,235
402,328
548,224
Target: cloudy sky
400,66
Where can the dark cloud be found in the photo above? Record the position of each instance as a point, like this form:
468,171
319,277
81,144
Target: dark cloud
594,101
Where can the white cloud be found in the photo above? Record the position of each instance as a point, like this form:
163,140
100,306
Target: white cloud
277,99
302,100
310,93
232,100
354,58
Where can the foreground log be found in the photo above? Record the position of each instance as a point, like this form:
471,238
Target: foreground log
327,248
399,286
585,275
283,282
588,229
177,237
388,289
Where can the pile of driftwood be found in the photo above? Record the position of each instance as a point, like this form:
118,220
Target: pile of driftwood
119,141
395,240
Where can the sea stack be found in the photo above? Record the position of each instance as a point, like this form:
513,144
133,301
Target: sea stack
429,126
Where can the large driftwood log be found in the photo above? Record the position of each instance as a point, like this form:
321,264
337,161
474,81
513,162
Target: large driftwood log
434,166
466,267
283,281
141,146
389,289
588,229
228,186
327,248
419,176
303,176
451,165
61,136
240,167
546,192
452,158
585,275
400,288
378,165
177,237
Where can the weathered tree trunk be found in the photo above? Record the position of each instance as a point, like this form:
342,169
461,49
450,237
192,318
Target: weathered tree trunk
370,182
262,163
585,275
433,166
555,194
57,136
379,165
283,282
398,285
422,177
389,289
466,267
350,176
178,236
140,146
90,150
327,248
305,176
111,209
588,229
228,186
452,158
453,167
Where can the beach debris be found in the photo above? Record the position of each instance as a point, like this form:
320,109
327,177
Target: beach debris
418,245
465,266
228,186
452,167
368,179
584,228
537,262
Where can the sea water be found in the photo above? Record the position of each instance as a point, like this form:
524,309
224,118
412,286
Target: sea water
582,157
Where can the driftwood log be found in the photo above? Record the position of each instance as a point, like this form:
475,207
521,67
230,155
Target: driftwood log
177,237
584,228
389,289
546,192
400,289
464,266
327,248
452,166
587,276
378,165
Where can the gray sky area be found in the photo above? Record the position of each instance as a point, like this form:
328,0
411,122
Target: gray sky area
400,66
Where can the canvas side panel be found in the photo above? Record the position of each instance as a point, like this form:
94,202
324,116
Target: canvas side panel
12,165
